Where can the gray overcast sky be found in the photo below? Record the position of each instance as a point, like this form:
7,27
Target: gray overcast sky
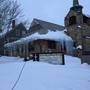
50,10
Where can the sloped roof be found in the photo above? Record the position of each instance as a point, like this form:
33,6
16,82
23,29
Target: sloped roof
59,36
20,27
45,25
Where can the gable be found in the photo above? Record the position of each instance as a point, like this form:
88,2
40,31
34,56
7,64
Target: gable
70,13
34,23
43,26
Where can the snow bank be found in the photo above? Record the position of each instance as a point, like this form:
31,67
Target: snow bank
7,59
39,76
72,61
42,76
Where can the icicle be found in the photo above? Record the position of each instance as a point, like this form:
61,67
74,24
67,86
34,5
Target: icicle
69,47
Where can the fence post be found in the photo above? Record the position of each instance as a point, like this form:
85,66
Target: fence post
63,59
37,57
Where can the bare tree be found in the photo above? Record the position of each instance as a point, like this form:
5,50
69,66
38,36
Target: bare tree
9,10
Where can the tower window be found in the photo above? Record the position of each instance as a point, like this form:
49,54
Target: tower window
85,19
72,20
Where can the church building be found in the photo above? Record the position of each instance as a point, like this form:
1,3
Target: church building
43,37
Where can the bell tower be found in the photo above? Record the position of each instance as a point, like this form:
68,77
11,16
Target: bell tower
76,7
78,28
73,21
74,15
75,3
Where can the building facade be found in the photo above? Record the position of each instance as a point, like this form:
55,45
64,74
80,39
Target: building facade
42,37
22,42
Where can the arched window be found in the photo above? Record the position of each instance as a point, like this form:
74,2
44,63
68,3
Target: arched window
72,20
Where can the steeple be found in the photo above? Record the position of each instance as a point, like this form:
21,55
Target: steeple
76,7
75,3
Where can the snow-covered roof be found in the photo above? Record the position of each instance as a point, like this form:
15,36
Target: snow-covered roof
79,47
3,33
88,37
65,30
79,26
51,35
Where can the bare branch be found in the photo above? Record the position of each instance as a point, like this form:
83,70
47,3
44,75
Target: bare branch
9,10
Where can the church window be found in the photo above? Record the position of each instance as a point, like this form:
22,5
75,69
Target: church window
72,20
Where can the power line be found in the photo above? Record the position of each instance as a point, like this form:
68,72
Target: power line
18,76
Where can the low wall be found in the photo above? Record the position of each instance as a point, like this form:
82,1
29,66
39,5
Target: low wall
51,58
86,59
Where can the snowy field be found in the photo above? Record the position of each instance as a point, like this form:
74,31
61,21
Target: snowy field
44,76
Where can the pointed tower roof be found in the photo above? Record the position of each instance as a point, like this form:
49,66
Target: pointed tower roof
76,6
75,3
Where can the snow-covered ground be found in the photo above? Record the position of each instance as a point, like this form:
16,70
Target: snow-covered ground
44,76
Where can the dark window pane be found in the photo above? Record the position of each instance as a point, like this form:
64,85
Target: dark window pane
74,44
51,44
30,47
85,19
72,20
64,47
